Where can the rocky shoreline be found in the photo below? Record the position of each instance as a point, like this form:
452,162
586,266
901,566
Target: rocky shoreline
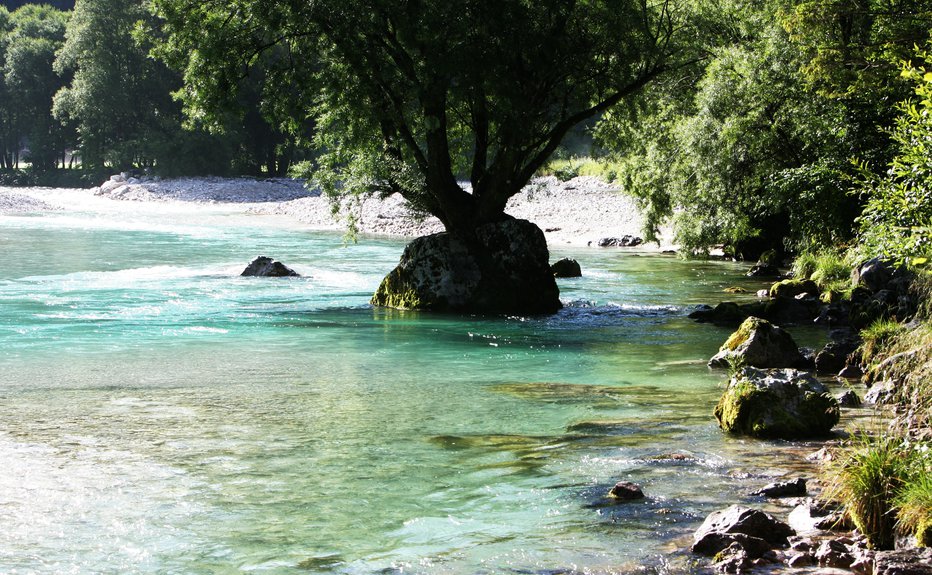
766,398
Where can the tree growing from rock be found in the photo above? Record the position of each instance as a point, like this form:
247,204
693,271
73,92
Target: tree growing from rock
414,96
411,95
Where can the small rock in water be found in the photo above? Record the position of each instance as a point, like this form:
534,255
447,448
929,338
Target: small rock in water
267,267
566,268
795,488
626,491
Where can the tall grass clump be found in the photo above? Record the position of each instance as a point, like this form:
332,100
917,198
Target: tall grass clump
867,480
914,503
828,268
877,336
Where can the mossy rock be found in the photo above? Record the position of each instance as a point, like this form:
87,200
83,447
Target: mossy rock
758,343
776,404
793,288
735,290
501,268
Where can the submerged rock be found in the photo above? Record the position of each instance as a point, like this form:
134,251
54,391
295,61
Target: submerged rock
725,313
776,404
566,268
267,267
758,343
504,269
626,491
763,270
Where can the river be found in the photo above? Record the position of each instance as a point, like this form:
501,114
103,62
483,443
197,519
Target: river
160,414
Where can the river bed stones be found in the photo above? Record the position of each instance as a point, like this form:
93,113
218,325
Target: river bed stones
794,488
776,404
626,491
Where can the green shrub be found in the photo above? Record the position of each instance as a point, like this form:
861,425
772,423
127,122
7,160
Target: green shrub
897,218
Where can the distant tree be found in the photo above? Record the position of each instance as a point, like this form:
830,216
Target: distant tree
9,141
410,94
38,32
119,99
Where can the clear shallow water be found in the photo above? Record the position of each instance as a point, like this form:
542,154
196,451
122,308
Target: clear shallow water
159,414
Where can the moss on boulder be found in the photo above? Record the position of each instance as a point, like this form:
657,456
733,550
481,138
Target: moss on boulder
758,343
793,288
776,404
502,268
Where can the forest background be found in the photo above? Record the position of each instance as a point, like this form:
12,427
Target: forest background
799,125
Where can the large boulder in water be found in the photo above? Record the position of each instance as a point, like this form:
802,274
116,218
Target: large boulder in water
502,268
776,404
267,267
758,343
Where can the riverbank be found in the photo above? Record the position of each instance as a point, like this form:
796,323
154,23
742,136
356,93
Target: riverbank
578,212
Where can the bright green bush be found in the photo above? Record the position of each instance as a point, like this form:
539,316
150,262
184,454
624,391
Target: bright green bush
897,220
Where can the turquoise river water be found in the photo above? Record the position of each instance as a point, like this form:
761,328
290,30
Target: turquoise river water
159,414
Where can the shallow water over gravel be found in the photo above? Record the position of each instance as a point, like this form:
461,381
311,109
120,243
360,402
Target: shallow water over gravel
159,414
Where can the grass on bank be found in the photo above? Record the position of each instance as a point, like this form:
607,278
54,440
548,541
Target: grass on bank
828,268
565,169
885,483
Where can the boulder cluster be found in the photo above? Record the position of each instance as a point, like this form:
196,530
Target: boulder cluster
741,540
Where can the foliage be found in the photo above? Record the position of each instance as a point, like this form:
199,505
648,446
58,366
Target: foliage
876,335
752,148
897,221
409,96
59,178
566,169
29,39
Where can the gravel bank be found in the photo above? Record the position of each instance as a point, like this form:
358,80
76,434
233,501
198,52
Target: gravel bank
576,212
13,201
